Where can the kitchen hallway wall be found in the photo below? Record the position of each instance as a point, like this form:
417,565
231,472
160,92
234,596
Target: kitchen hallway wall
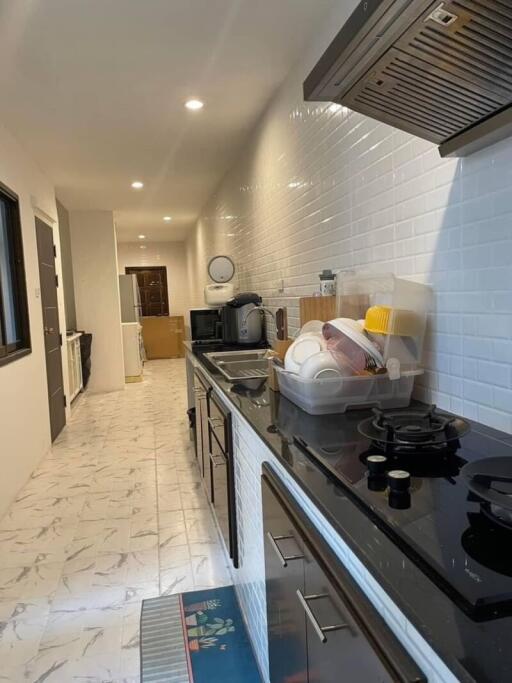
96,286
169,254
318,186
24,415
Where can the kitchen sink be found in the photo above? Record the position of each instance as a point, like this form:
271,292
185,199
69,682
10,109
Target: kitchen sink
241,365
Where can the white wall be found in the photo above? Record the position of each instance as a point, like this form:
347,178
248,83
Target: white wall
169,254
24,415
67,267
318,186
93,244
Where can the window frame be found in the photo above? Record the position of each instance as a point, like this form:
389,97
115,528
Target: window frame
16,350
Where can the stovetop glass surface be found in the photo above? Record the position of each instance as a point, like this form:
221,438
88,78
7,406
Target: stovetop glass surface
439,525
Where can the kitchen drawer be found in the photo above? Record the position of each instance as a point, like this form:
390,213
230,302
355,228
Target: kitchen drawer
220,490
316,612
221,472
217,418
334,636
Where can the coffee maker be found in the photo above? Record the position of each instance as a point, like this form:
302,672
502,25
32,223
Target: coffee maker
239,324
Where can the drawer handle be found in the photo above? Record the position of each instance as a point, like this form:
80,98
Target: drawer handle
282,558
216,422
217,461
320,630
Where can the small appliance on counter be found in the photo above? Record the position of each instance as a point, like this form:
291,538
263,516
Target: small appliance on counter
218,294
240,324
206,325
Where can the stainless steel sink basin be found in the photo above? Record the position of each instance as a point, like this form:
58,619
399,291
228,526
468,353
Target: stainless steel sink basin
240,365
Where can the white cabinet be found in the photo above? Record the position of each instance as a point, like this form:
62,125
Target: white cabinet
74,366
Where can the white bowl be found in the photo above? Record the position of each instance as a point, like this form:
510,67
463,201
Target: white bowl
320,366
302,348
343,328
331,327
314,326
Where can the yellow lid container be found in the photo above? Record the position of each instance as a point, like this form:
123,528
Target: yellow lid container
388,320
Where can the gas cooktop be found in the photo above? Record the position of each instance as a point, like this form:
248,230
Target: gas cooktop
439,490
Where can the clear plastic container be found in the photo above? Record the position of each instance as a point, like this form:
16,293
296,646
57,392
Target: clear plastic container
335,395
357,292
405,317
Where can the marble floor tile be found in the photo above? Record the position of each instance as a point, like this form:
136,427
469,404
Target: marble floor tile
116,513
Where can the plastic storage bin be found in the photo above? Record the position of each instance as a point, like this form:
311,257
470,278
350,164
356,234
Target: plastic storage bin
408,304
335,395
404,306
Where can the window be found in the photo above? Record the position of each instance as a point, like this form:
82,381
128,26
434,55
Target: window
14,323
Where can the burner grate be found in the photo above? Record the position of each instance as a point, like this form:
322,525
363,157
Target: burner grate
409,430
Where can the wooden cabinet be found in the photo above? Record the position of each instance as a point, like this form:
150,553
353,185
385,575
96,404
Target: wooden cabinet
321,626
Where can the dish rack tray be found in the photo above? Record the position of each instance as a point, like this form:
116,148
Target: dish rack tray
337,394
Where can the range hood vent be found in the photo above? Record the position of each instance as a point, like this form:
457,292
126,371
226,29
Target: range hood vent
439,70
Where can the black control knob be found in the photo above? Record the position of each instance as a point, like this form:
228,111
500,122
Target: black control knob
376,465
399,501
399,481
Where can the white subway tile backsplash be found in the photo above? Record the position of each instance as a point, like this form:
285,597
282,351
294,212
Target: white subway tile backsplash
318,186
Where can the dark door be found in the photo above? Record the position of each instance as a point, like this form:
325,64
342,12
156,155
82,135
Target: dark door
200,405
220,499
337,648
52,339
321,626
284,575
152,283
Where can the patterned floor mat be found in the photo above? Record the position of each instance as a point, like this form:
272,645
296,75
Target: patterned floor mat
196,637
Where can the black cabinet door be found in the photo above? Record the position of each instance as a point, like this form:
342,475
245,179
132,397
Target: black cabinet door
321,626
284,575
337,648
220,497
200,393
199,431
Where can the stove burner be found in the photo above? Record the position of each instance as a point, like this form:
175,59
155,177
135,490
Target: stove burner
490,483
410,430
498,515
487,543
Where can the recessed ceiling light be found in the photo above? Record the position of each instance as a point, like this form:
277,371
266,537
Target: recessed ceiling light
194,105
167,218
137,185
142,246
142,237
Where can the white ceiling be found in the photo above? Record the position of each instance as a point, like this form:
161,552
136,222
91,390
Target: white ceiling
95,89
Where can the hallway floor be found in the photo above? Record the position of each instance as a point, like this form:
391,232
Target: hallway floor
115,513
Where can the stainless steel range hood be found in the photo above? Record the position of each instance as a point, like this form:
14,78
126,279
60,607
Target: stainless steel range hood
439,70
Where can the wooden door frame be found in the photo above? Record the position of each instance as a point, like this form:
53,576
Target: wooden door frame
133,270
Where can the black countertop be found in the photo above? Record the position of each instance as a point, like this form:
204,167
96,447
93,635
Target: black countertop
473,651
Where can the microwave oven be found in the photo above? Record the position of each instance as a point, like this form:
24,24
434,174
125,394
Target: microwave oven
206,325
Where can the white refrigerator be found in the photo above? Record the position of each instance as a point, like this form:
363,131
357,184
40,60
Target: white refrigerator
133,351
131,309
